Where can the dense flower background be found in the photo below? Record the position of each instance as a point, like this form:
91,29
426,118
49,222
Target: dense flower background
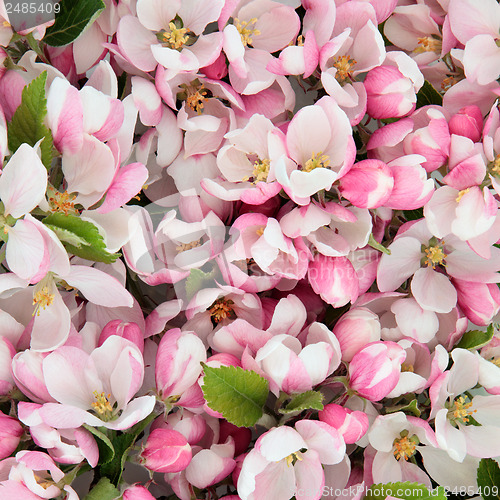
250,250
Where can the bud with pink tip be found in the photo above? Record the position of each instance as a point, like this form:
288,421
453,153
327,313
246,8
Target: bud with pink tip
10,434
165,451
355,329
374,371
467,122
351,424
129,331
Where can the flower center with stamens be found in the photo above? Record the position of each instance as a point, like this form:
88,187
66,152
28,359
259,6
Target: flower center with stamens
102,406
247,30
448,82
407,368
195,94
460,412
61,202
494,166
222,309
428,44
344,65
317,161
293,458
404,447
260,171
176,37
461,194
435,256
188,246
41,299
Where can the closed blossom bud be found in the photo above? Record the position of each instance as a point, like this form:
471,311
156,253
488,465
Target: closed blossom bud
166,451
137,492
351,424
355,329
129,331
10,434
374,371
467,122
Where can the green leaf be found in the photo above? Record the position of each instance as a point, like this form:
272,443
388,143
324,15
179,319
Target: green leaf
474,339
307,400
405,491
103,490
79,237
428,95
106,448
122,444
411,407
416,214
74,16
488,479
27,124
197,280
236,393
378,246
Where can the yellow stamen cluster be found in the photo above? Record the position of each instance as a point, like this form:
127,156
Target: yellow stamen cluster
196,101
428,44
461,194
62,202
260,171
495,361
495,166
344,65
317,161
177,37
460,411
407,368
41,299
404,447
247,30
222,309
292,458
102,406
435,256
188,246
260,231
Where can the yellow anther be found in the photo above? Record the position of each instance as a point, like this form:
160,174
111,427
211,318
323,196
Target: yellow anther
61,202
404,448
344,65
317,161
177,37
222,309
495,361
448,82
435,256
495,166
260,171
6,24
260,231
188,246
42,299
292,458
428,44
461,194
460,411
407,368
247,30
195,94
102,406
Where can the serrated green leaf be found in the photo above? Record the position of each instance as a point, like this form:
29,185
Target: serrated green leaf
103,490
309,400
238,394
488,479
73,18
197,280
122,444
79,237
106,448
405,491
474,339
428,95
27,124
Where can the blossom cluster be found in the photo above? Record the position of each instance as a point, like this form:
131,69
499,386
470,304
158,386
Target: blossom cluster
211,208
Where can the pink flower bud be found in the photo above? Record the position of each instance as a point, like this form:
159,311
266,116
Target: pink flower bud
10,434
478,301
129,331
216,70
166,450
374,371
351,424
355,329
467,122
389,93
137,492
